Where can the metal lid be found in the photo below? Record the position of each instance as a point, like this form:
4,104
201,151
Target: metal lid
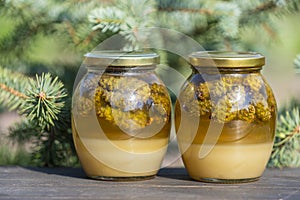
121,58
227,59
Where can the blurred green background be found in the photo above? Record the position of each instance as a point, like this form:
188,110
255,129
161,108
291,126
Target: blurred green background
53,52
280,71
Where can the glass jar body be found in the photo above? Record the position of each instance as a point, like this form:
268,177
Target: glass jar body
121,122
234,115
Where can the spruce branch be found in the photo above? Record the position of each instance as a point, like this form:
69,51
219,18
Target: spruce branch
71,31
286,149
87,40
12,91
265,6
46,108
45,100
187,10
40,100
13,87
269,30
125,18
263,10
107,18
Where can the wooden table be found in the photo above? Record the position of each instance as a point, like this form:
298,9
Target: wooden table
170,183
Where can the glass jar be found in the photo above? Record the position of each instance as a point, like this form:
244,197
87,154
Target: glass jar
121,116
225,117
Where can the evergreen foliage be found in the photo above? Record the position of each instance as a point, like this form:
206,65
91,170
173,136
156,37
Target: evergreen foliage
74,27
12,97
286,150
214,24
44,104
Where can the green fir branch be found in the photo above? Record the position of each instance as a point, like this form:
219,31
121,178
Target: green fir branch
286,149
187,10
217,24
12,89
125,18
107,19
45,100
46,108
260,12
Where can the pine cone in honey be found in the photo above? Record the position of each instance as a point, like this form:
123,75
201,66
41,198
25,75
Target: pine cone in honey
131,103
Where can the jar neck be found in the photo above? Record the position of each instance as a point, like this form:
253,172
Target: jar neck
121,69
227,70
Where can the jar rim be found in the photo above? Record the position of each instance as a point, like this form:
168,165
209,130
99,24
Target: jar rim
227,59
121,58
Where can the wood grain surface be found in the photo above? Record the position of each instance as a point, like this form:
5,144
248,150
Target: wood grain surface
170,183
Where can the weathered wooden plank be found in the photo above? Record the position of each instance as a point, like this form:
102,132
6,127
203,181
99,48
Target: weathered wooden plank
171,183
